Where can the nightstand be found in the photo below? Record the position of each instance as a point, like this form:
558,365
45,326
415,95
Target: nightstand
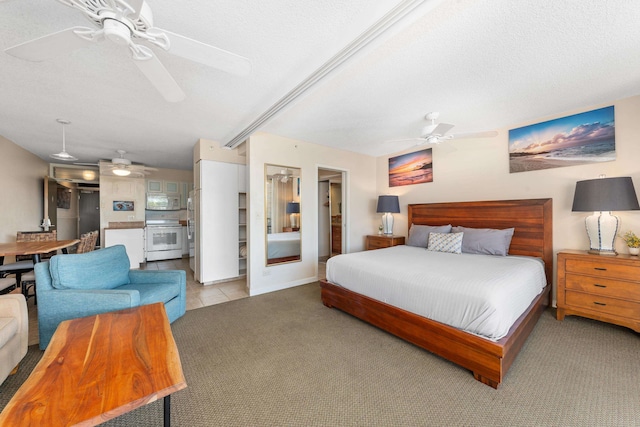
605,288
383,241
290,229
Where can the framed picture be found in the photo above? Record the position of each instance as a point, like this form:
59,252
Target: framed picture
411,168
122,206
579,139
63,197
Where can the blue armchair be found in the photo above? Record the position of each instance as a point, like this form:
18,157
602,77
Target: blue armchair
78,285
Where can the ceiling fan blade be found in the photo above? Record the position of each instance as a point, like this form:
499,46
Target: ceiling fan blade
487,134
52,45
160,78
206,54
441,129
137,6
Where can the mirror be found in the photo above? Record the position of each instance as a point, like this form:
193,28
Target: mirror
282,214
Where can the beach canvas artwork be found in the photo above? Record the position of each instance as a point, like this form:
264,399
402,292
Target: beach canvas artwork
411,168
579,139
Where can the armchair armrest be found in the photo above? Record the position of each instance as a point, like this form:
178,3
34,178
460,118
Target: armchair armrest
72,303
15,305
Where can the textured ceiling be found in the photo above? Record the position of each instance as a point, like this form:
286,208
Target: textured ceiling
483,64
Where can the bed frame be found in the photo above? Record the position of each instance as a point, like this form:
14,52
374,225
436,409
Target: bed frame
488,360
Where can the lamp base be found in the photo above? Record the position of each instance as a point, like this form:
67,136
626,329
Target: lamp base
600,252
387,223
602,228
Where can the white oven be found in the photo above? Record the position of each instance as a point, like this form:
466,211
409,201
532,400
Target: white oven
164,241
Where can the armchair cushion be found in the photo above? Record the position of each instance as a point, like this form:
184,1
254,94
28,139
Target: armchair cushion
156,292
106,268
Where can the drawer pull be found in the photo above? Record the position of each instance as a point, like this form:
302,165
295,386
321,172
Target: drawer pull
598,285
599,303
600,268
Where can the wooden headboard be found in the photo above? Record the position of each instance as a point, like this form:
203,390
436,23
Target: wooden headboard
531,218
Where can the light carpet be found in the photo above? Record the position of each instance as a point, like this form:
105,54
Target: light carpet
284,359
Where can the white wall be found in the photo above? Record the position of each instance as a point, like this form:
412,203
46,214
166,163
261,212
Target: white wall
361,193
22,190
479,170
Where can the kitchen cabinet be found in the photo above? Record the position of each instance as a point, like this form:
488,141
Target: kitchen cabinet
161,186
131,238
154,186
217,221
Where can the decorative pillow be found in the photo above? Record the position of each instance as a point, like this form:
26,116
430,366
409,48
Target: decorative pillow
449,242
487,241
419,234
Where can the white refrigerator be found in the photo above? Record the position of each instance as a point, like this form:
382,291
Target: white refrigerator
215,203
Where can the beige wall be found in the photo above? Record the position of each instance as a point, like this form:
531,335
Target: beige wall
21,191
479,170
359,186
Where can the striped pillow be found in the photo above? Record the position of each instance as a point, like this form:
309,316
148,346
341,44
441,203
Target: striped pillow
450,242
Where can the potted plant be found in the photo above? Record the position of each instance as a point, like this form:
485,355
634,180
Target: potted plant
632,241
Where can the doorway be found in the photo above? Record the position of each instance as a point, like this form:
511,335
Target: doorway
332,221
89,211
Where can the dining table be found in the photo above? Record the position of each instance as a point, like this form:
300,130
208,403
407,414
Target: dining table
35,249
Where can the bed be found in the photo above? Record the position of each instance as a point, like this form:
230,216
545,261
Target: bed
488,359
283,247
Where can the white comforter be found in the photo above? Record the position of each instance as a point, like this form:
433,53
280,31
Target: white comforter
480,294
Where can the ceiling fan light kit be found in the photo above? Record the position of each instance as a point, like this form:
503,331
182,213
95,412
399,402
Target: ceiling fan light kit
121,171
63,155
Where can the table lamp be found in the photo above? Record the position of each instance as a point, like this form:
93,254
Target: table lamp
601,196
293,208
388,205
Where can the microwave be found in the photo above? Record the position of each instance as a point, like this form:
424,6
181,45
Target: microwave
162,202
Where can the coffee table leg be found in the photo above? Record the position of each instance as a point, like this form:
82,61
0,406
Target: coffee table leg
167,411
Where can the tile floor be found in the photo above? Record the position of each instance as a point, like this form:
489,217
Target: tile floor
198,295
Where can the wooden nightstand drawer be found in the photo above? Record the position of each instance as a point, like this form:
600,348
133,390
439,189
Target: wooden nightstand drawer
600,304
603,268
604,287
379,242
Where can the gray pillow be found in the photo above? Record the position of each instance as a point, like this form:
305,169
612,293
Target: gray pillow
487,241
419,234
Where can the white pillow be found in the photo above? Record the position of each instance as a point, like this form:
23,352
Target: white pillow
450,242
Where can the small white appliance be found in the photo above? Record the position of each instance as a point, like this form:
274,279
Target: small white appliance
162,202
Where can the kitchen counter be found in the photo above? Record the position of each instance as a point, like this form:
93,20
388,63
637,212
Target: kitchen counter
124,225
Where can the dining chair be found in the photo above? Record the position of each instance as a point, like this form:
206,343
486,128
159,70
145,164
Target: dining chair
25,277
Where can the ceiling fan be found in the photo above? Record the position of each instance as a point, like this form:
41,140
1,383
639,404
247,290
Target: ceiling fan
436,133
127,23
122,167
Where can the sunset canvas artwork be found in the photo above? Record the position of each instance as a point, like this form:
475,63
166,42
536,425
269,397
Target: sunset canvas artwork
411,168
573,140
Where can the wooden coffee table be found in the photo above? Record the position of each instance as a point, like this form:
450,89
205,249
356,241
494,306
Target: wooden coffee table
99,367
